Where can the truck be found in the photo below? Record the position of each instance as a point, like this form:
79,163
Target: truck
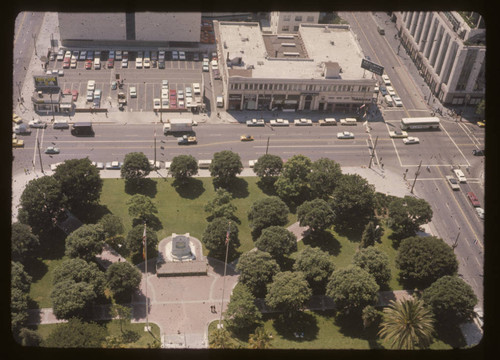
220,101
187,140
178,126
82,129
21,129
122,99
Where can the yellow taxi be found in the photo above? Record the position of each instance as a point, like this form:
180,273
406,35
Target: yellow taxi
481,123
246,138
16,118
17,143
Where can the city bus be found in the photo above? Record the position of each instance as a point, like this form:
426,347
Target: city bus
82,129
420,123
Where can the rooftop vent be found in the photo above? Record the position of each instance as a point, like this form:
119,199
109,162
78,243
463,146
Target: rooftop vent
332,42
285,36
291,54
288,44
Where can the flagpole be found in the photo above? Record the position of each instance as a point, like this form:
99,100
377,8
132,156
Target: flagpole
224,278
146,270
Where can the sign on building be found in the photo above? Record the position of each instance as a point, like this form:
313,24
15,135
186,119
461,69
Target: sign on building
371,66
45,81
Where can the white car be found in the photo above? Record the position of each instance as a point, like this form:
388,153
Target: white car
345,135
279,122
180,94
83,54
180,104
302,122
251,163
125,63
118,55
138,63
182,55
327,122
188,92
164,103
91,85
97,94
480,212
161,55
164,84
453,182
479,315
398,134
155,166
397,101
60,55
460,175
133,91
411,140
391,91
147,63
37,123
256,122
175,55
99,165
90,95
386,79
205,67
164,94
156,104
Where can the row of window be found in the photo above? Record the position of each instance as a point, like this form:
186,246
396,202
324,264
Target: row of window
298,18
299,87
287,28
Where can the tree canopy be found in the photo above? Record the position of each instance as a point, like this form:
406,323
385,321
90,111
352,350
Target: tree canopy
41,203
220,205
123,280
72,299
79,270
214,238
451,299
277,241
288,292
352,201
85,242
224,168
268,167
267,212
183,167
423,260
20,286
242,313
135,167
76,334
407,215
316,214
111,225
257,269
293,185
352,289
317,267
323,178
376,262
80,182
133,240
371,234
24,243
142,209
19,277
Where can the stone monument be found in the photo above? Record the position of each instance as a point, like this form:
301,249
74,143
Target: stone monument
181,248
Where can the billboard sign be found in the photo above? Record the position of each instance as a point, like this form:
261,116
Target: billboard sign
371,66
45,81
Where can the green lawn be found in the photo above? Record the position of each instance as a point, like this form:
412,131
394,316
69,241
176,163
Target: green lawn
41,288
113,328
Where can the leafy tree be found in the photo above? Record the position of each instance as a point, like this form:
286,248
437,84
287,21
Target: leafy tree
317,267
407,324
134,240
260,339
277,241
80,183
323,178
371,235
29,337
221,206
79,270
183,167
72,299
293,185
122,312
224,168
352,289
423,260
18,308
142,209
376,262
221,339
267,212
242,313
85,242
289,291
480,109
214,238
24,242
268,168
123,279
111,225
257,269
135,167
407,215
316,214
20,278
352,201
451,299
41,203
76,334
370,316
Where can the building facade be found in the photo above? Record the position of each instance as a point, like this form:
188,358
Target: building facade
284,22
317,69
449,50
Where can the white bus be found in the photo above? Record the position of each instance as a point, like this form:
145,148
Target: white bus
420,123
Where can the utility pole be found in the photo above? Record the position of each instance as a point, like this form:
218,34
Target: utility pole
154,164
40,155
373,153
219,326
416,175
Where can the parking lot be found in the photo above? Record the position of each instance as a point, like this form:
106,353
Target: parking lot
147,81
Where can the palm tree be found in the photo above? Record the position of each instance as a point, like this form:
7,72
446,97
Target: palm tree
260,339
221,339
407,324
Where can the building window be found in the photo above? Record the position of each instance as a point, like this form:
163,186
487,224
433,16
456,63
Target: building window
310,18
246,86
285,28
296,28
286,18
261,86
298,18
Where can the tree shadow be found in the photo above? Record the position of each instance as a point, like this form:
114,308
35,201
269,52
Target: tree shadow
52,244
285,263
191,189
146,186
351,233
267,186
324,240
152,221
450,334
36,268
91,213
301,326
238,188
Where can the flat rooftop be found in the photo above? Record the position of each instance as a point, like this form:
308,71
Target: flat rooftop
291,56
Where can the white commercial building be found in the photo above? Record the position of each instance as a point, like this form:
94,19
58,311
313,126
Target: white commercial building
289,22
449,49
319,68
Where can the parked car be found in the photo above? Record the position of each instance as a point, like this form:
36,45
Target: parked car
175,55
91,85
114,165
88,64
74,94
391,91
125,63
182,55
83,55
481,123
52,150
480,212
383,90
411,140
60,55
302,122
111,63
133,91
114,85
118,55
161,64
279,122
345,135
397,101
453,182
164,84
476,152
156,104
327,122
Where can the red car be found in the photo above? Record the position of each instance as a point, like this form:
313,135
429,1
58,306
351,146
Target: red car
473,199
67,92
111,63
88,64
75,94
66,64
